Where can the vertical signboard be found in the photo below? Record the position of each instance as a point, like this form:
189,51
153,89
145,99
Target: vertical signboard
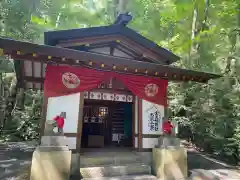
152,118
153,115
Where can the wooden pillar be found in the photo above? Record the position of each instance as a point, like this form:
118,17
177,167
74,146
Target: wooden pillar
135,110
80,123
139,124
166,114
133,123
44,116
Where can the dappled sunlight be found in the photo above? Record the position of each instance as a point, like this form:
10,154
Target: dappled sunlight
224,173
24,174
114,165
203,166
172,167
51,163
170,163
9,160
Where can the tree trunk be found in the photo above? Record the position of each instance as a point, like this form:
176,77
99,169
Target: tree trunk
122,4
199,25
234,38
203,25
58,20
194,30
194,23
20,99
204,22
11,100
1,101
34,107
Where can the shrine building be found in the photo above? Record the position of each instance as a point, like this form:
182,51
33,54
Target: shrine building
110,81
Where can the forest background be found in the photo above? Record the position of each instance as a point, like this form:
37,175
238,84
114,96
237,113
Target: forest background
204,33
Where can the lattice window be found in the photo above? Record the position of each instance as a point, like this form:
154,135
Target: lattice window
103,111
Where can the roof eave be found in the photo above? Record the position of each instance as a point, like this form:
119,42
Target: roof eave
29,51
51,38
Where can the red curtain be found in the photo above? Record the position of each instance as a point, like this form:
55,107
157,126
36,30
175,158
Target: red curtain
62,80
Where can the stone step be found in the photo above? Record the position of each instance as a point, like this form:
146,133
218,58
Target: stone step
111,159
217,174
137,177
113,171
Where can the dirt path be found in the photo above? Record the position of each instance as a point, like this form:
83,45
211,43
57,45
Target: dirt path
208,168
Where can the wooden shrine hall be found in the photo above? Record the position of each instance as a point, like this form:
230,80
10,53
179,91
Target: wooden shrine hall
111,114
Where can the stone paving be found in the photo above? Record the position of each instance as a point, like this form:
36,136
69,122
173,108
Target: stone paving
208,168
14,157
17,156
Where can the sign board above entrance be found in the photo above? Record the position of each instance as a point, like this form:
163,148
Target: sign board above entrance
108,96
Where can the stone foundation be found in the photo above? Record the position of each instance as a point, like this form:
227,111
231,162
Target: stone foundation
50,163
168,142
54,141
169,159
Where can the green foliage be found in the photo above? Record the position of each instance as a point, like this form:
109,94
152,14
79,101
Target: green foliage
210,111
24,125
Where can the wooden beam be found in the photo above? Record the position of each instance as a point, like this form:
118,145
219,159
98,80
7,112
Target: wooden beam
57,54
170,73
87,40
102,39
34,79
112,48
131,50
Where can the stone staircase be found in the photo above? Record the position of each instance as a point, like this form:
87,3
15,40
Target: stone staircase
115,166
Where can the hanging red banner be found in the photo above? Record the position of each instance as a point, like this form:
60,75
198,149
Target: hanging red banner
62,80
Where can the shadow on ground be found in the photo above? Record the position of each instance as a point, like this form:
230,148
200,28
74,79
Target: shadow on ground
198,161
14,157
207,167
